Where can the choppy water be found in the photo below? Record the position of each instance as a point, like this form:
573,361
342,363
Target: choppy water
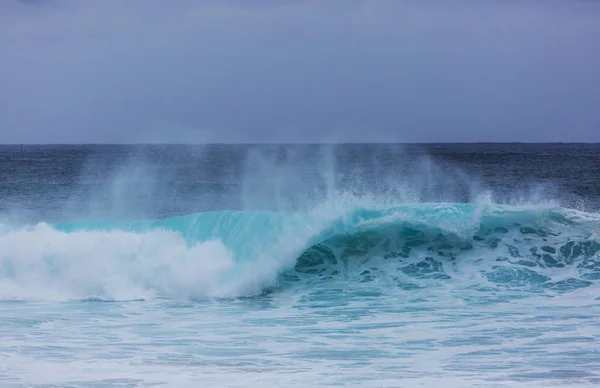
300,266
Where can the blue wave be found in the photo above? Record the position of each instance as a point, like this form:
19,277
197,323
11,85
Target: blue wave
406,246
442,232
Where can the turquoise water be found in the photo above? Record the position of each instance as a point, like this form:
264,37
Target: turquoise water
405,295
245,254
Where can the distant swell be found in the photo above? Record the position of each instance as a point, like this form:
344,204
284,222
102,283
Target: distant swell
230,254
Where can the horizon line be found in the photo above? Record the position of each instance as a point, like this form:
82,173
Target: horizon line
294,143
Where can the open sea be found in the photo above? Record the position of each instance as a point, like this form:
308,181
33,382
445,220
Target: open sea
458,265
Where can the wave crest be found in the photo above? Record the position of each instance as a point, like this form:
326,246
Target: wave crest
228,254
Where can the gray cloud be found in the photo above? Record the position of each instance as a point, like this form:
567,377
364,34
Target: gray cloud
298,71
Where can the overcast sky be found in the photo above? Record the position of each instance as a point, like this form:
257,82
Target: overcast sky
114,71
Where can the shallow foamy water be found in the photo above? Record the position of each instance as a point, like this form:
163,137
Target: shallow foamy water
324,336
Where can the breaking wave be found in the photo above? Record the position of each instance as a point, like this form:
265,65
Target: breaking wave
240,253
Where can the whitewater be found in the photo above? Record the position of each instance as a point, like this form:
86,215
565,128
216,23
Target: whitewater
337,283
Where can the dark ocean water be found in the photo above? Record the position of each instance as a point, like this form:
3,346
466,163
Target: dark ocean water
50,182
306,265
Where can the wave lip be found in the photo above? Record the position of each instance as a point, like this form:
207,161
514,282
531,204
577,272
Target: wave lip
228,254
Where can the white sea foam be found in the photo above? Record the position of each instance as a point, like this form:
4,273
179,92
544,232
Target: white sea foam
43,263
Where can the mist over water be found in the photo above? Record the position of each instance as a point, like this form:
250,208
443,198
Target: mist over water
131,227
412,253
150,182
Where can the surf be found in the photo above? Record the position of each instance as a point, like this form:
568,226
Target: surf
222,254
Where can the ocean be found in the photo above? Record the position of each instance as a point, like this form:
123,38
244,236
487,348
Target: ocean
380,265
